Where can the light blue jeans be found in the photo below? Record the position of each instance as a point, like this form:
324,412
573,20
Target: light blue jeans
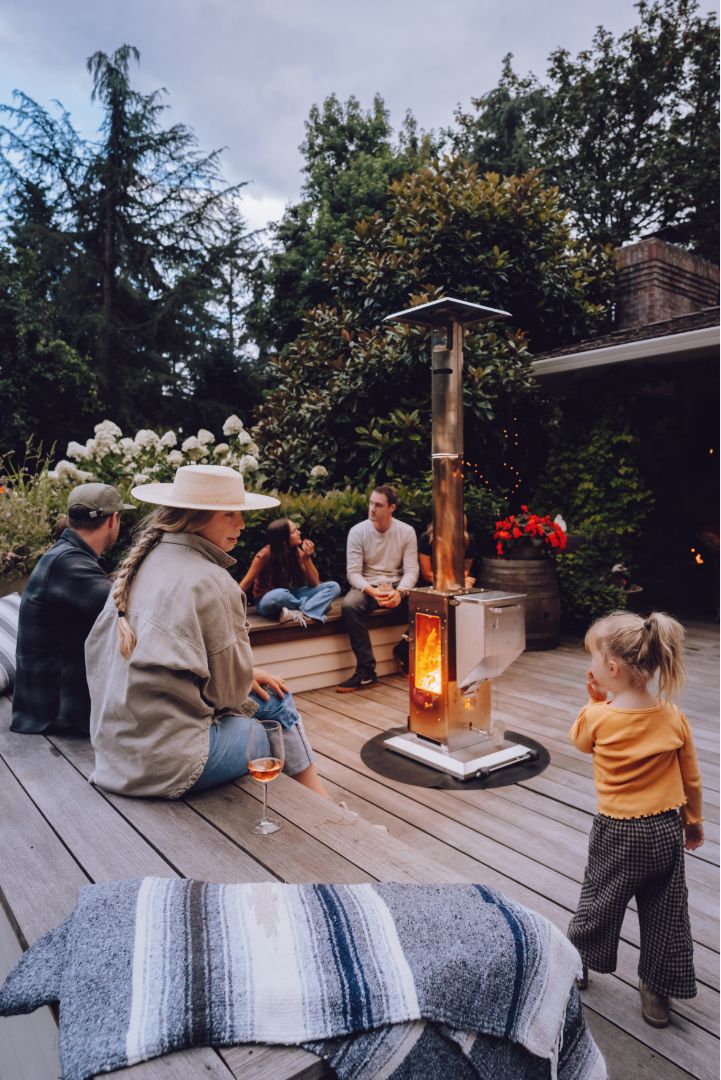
312,600
228,757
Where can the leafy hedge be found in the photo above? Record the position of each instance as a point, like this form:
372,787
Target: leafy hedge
593,479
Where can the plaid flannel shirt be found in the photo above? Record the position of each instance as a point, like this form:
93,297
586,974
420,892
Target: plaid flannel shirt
62,599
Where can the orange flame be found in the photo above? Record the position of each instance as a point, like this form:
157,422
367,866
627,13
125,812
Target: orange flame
429,669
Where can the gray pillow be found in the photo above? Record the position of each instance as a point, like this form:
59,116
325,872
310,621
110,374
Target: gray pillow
9,611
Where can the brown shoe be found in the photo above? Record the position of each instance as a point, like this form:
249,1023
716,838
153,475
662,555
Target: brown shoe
655,1008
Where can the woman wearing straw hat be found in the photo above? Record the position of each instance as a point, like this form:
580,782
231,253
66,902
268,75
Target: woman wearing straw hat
172,686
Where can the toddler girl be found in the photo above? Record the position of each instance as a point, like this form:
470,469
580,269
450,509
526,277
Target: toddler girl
649,806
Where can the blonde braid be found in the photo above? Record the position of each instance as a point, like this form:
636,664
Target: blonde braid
148,538
165,519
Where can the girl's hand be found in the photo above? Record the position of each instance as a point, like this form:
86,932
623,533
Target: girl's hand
307,547
594,690
693,836
264,678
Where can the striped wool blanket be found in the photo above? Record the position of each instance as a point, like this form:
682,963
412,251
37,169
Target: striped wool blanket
381,980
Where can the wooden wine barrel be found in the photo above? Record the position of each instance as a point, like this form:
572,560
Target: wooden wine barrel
537,579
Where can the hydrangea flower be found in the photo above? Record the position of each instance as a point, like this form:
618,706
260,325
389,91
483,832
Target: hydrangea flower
146,439
78,451
247,463
243,438
107,429
221,449
318,472
175,457
169,439
127,445
233,425
205,437
106,435
65,470
140,478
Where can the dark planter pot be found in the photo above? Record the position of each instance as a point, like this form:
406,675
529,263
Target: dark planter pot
525,549
538,580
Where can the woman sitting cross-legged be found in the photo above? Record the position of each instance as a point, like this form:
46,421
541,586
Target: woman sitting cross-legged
286,583
172,686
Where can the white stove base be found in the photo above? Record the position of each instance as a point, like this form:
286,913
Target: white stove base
462,764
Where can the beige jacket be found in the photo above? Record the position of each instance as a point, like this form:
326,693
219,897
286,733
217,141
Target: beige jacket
150,715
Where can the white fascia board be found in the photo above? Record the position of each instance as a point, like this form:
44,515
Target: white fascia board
671,345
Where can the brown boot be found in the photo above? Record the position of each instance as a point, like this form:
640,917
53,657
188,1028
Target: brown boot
655,1008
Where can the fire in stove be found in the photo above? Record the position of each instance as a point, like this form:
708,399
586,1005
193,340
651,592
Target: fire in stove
460,638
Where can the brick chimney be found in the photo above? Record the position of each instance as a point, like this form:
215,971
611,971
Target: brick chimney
657,281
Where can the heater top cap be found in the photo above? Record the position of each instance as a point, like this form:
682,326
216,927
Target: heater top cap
440,311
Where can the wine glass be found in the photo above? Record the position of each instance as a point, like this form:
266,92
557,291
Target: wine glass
266,758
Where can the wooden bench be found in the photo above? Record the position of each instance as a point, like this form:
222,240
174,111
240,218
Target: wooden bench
320,655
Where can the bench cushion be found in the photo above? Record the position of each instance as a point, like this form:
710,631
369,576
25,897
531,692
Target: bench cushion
9,613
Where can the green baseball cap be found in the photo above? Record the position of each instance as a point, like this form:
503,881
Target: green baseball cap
87,502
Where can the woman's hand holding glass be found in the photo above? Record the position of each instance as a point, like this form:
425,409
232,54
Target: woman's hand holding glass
266,757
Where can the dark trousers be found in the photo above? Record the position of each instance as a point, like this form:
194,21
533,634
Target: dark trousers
356,606
641,857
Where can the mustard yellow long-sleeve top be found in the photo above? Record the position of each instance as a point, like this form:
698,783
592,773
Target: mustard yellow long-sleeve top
644,760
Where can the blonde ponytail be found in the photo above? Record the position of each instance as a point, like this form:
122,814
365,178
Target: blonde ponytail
644,646
166,519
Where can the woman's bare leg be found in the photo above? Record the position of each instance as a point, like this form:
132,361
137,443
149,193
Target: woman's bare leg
309,778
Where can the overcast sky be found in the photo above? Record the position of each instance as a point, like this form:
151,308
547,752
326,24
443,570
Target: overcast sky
244,73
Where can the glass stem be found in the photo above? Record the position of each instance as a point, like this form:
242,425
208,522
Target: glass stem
265,802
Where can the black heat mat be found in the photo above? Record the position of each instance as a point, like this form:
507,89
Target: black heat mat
379,759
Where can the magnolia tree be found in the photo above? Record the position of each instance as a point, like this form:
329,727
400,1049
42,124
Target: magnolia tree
111,457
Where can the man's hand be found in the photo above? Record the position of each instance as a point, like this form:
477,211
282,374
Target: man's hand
389,599
693,836
384,595
594,690
264,678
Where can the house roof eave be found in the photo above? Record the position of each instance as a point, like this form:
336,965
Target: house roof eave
687,345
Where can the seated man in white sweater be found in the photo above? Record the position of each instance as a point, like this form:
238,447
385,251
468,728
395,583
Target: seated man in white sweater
382,565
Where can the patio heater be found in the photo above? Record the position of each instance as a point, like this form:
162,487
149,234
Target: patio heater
460,638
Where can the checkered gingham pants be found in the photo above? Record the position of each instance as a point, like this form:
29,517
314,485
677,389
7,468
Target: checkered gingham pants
641,857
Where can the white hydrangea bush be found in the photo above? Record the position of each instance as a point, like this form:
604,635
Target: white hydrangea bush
111,457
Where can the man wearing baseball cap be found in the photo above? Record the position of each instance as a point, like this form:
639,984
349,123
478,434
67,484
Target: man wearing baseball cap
62,599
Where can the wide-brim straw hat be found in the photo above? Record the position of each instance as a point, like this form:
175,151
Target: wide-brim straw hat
204,487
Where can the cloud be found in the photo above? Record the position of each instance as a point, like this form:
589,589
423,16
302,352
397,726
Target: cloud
259,209
244,74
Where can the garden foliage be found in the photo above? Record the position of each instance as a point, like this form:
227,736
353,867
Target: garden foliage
593,479
353,394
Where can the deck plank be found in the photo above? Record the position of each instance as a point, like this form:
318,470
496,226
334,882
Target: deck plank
529,840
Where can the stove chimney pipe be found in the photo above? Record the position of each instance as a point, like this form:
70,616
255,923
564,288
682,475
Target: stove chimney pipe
447,318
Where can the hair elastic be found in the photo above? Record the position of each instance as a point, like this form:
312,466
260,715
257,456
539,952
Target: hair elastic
121,614
647,624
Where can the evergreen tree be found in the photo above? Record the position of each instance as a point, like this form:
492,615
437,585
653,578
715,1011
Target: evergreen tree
131,237
628,129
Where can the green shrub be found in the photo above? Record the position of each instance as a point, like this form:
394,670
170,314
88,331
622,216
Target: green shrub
30,504
594,481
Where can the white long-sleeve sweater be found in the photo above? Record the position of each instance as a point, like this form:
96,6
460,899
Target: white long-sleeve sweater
373,556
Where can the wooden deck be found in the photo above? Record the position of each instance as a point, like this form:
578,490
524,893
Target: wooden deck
527,839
